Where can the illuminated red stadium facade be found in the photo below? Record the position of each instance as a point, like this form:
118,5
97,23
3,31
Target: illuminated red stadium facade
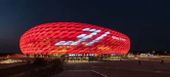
73,38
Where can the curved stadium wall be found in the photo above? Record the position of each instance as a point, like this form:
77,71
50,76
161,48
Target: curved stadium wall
73,38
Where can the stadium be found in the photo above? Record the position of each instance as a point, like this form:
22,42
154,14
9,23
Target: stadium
73,39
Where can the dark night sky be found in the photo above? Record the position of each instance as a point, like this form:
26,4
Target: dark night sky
146,22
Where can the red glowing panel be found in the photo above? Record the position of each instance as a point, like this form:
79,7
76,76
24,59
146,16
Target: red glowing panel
73,38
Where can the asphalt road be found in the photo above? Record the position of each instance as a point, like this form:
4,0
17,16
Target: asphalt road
91,69
116,69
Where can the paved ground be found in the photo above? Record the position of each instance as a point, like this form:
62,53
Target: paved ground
117,69
78,73
6,66
95,69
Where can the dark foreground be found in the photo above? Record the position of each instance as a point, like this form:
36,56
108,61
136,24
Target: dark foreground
91,69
